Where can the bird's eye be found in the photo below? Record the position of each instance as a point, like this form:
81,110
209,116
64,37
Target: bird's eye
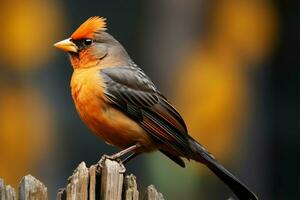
88,42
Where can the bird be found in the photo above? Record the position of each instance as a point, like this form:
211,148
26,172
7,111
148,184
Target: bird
120,104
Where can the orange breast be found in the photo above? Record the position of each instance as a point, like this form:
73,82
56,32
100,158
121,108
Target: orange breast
105,121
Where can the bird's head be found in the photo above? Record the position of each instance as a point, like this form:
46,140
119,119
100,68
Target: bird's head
91,46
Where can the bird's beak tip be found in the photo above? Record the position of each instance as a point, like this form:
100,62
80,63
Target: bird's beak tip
66,45
55,44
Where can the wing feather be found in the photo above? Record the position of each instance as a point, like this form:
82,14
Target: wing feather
130,90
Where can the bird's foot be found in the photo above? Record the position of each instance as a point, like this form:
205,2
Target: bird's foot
102,160
104,157
123,169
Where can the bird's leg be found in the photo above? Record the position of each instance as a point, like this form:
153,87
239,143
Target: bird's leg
123,152
116,156
128,158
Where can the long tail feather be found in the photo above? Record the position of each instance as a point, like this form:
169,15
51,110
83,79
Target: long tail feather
203,156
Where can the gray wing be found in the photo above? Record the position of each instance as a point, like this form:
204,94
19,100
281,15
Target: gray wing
130,90
129,85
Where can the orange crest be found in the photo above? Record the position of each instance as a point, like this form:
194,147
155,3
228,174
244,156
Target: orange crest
89,28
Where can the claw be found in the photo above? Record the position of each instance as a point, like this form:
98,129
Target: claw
104,157
102,160
123,169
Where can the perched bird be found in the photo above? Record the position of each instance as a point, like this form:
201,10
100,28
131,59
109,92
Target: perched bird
121,105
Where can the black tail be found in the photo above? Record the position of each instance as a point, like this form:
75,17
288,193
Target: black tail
203,156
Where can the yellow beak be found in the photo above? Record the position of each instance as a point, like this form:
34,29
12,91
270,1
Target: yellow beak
67,45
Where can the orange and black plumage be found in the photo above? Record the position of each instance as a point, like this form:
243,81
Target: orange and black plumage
121,105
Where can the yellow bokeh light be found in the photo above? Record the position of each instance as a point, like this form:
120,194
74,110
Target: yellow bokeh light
28,29
214,101
25,131
248,25
215,84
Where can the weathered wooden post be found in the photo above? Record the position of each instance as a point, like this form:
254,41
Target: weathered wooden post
6,191
130,188
152,194
106,183
32,189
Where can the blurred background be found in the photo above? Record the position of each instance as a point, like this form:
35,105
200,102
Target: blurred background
230,67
